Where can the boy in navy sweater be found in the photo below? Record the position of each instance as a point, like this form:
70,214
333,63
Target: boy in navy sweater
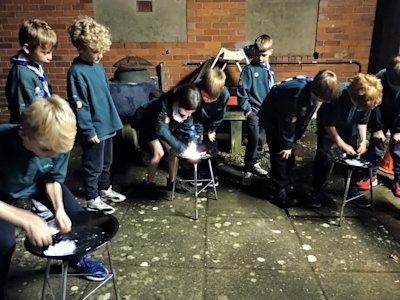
285,115
256,80
344,123
97,117
27,79
383,118
33,164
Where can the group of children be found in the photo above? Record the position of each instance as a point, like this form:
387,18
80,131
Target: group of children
35,154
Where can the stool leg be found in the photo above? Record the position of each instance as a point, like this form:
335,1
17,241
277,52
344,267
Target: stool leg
64,275
175,179
114,274
212,178
196,194
370,190
330,172
346,190
46,280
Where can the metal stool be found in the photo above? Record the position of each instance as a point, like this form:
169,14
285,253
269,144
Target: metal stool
346,163
90,231
210,153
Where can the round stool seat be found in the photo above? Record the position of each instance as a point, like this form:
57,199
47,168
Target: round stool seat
89,231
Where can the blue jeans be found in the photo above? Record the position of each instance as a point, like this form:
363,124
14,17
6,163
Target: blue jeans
96,162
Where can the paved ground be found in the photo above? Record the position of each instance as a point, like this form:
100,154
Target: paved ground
241,247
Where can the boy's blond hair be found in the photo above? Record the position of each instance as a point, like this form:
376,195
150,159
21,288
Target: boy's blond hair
393,70
213,82
51,122
263,43
365,91
325,86
37,33
87,34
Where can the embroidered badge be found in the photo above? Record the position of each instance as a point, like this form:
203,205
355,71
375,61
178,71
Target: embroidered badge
79,104
167,120
39,92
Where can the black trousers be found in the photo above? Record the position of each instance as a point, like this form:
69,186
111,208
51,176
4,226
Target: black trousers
281,168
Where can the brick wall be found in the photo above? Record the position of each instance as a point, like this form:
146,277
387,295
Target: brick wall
344,32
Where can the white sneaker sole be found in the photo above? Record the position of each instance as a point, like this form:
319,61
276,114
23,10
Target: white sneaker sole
115,200
106,212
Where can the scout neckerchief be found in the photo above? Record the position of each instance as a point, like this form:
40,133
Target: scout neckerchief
21,60
267,67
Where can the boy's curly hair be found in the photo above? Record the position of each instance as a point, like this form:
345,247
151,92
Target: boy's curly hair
365,91
87,34
37,33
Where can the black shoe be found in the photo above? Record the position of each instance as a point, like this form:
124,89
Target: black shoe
285,199
151,190
315,199
216,181
179,188
358,198
191,178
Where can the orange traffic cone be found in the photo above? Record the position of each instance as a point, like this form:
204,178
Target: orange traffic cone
387,164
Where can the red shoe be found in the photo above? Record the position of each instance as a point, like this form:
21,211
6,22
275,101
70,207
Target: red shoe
396,189
365,183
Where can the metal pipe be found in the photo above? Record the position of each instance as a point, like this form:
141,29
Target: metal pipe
314,62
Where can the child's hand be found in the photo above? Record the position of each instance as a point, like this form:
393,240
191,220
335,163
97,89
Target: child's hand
63,221
94,140
286,153
37,230
191,152
362,148
379,135
211,136
396,138
348,149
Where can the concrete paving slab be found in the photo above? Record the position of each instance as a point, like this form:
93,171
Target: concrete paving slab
362,245
261,284
261,243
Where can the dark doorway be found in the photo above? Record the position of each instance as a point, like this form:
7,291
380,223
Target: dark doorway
386,34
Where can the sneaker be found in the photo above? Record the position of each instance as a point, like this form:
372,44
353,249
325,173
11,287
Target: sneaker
259,171
365,183
111,195
284,198
99,205
179,188
216,181
396,189
91,269
358,198
246,181
315,200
